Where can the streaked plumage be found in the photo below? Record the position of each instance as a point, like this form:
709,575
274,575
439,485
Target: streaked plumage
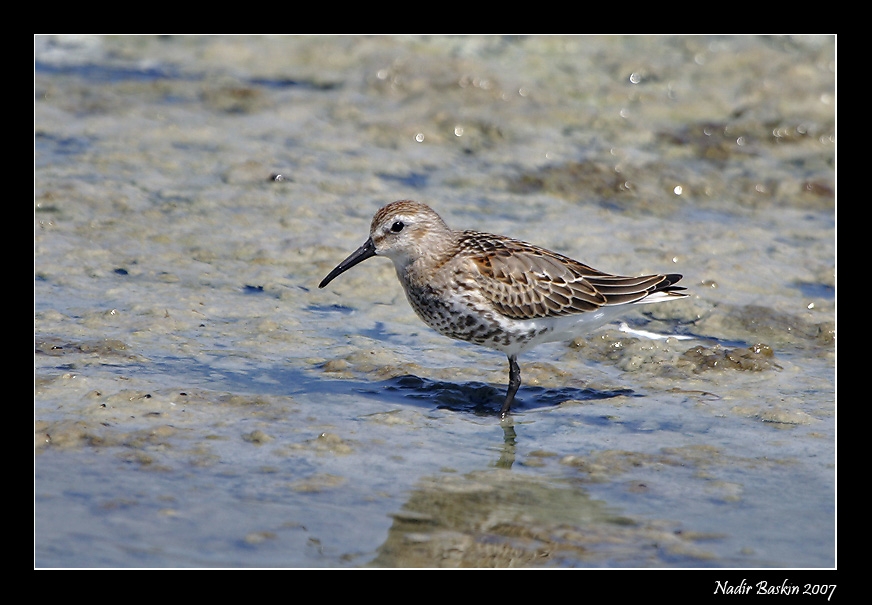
496,291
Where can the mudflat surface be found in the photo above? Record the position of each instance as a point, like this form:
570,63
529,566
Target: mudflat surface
199,402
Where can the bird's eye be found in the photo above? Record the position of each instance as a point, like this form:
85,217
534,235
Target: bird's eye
397,227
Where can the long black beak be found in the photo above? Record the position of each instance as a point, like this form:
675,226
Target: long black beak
358,256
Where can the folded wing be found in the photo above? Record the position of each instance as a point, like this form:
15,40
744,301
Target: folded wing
524,281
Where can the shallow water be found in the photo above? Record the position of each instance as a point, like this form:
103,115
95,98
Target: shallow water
200,402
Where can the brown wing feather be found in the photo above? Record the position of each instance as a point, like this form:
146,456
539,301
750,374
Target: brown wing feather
524,281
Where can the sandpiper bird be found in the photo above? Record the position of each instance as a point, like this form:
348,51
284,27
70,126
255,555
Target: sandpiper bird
495,291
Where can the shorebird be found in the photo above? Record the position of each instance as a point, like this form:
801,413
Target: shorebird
495,291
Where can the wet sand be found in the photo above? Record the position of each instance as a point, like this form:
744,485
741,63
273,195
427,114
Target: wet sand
199,402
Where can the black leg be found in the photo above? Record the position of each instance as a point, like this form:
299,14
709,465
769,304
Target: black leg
514,383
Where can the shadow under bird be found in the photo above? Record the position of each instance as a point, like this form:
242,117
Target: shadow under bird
496,291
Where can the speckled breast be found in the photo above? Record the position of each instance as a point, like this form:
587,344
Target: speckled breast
457,316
